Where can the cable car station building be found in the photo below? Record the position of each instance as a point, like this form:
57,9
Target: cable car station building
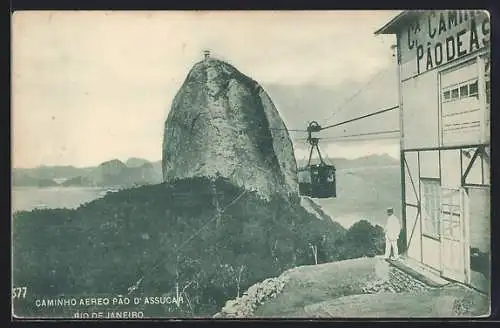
443,62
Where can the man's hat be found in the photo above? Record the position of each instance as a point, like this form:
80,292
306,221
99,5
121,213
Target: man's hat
390,209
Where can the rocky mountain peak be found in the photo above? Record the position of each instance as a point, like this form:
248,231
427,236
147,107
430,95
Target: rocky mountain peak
223,123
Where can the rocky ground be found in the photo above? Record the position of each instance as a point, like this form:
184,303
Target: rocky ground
366,287
397,282
256,295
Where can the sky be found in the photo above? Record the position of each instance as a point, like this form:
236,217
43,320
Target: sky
91,86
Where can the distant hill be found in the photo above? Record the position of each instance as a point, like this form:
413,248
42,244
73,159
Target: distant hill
73,182
136,162
52,172
23,180
110,173
373,160
115,173
158,168
139,171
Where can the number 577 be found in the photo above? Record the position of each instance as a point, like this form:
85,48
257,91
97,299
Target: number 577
19,292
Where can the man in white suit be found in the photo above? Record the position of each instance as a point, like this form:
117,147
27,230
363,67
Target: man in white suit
391,230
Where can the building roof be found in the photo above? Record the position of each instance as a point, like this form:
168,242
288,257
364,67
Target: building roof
395,24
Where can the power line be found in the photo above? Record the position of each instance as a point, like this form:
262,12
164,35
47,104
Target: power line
360,117
345,138
358,139
363,134
335,125
301,139
364,139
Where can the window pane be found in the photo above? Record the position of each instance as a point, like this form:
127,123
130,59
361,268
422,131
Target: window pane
446,95
464,91
473,89
454,93
431,211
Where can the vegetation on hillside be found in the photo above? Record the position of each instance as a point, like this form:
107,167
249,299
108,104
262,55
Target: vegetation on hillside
165,238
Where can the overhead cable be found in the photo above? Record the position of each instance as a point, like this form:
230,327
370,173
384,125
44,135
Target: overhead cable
360,117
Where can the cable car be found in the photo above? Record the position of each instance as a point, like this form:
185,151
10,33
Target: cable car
316,180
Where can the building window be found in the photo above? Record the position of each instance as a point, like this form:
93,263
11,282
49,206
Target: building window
431,198
450,214
464,91
473,89
461,90
446,95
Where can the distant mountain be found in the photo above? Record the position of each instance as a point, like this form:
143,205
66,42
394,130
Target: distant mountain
144,174
74,182
158,168
139,162
53,172
22,180
110,173
115,173
136,162
375,160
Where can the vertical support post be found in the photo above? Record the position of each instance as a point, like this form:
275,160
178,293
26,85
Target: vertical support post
403,202
401,147
420,209
466,232
439,114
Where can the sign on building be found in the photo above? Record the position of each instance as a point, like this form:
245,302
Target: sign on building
439,37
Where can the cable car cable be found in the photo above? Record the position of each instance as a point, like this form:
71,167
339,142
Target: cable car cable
319,128
362,139
359,118
355,138
357,135
339,138
363,134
